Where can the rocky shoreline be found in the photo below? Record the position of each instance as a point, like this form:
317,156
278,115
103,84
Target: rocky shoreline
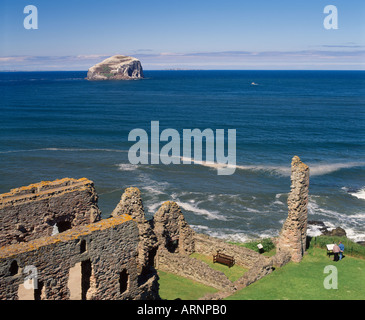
327,231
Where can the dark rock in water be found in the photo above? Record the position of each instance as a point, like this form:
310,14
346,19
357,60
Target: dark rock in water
337,232
116,68
361,243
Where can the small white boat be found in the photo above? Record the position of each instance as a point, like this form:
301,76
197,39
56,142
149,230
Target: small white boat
254,84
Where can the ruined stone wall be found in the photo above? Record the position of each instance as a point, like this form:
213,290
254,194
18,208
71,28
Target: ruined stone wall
193,269
131,203
115,258
30,212
106,253
292,238
172,230
245,257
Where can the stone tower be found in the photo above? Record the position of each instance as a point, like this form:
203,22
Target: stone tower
292,238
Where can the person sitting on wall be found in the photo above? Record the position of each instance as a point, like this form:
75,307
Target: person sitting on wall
336,250
342,249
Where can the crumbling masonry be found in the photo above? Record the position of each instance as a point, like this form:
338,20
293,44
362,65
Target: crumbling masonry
55,229
292,239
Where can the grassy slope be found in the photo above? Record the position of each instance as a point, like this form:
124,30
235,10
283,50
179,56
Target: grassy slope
305,280
175,287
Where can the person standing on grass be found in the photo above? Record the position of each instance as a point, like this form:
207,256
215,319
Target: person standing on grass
342,249
336,250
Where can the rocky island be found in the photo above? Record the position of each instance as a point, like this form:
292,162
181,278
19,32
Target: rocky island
117,67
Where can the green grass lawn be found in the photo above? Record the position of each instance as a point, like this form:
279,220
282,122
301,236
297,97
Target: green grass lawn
233,273
304,281
175,287
294,281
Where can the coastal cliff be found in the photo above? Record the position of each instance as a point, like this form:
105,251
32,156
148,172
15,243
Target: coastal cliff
117,67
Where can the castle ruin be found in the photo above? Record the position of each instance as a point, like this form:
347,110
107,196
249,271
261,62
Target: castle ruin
292,238
89,258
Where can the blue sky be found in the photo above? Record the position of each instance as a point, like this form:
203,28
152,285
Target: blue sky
163,34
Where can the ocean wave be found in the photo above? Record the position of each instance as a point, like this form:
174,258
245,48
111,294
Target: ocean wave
353,224
235,235
217,165
153,207
63,149
360,194
193,207
314,169
252,210
322,169
225,234
127,167
83,149
153,190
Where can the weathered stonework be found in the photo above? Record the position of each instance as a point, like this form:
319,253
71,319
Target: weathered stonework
292,238
245,257
177,241
107,260
172,231
262,269
116,258
131,204
31,212
193,269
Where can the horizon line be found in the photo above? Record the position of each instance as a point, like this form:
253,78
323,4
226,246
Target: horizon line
181,69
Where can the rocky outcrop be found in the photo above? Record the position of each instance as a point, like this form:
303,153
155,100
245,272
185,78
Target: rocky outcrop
321,227
117,67
292,238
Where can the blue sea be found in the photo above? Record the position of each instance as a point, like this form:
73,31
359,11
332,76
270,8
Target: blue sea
57,124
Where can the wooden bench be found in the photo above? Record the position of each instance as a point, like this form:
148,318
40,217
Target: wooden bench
223,259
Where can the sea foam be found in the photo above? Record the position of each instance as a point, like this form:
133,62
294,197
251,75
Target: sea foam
315,169
360,194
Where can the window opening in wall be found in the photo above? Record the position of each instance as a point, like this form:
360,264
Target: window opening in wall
79,280
123,281
38,291
172,245
14,268
85,277
148,270
63,226
82,246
